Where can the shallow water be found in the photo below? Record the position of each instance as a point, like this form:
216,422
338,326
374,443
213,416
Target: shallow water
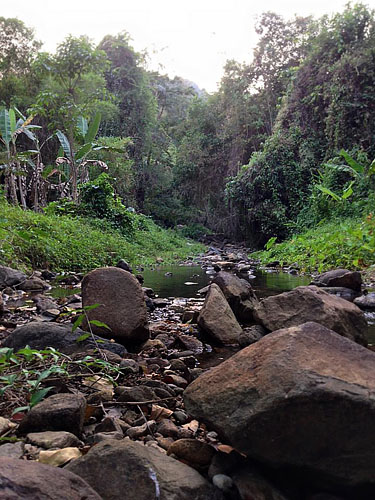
265,283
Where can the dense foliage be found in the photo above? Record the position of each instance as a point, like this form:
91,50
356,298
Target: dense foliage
286,142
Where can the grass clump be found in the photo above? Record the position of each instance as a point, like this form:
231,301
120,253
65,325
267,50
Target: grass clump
348,243
30,240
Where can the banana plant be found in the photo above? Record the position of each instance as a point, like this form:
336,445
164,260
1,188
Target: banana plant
76,158
12,160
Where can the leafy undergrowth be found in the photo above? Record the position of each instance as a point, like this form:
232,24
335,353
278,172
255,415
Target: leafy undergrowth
348,243
30,240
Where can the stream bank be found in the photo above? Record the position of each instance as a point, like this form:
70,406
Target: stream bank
144,404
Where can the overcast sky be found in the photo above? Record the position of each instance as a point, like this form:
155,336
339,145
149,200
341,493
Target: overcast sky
189,38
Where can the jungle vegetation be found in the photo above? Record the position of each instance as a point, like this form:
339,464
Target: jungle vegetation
285,145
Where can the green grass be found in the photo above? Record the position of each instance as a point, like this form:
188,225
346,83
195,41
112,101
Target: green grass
60,243
348,243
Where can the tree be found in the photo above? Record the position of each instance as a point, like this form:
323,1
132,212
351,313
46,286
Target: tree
68,94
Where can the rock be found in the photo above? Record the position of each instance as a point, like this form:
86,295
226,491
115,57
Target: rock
5,425
340,277
1,304
340,291
167,428
25,480
10,277
149,304
115,467
123,308
239,294
160,303
11,450
104,436
48,275
135,394
252,485
53,439
171,378
122,264
366,301
149,292
217,318
196,453
223,482
251,334
59,412
109,424
152,344
310,303
310,417
32,284
44,303
141,430
39,335
189,343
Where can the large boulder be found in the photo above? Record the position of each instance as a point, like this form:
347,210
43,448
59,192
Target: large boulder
340,277
26,480
239,294
40,334
115,467
310,303
302,396
59,412
122,304
10,277
217,319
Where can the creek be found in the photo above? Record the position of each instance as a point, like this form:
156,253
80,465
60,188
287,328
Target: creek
171,281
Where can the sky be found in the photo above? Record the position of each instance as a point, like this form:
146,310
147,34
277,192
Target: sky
188,38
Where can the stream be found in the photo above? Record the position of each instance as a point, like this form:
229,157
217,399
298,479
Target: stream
185,281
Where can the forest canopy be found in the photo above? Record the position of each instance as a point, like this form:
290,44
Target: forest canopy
285,142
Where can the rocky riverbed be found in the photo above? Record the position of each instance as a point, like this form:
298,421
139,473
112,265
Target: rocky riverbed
219,396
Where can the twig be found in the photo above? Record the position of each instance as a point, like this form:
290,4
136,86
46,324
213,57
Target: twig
136,403
145,419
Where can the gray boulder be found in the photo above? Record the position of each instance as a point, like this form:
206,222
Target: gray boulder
239,294
10,277
40,334
340,277
115,467
122,304
59,412
366,301
26,480
217,319
310,303
302,396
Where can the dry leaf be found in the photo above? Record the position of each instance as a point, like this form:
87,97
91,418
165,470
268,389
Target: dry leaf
158,413
192,426
58,457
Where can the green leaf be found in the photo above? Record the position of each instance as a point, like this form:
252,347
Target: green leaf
82,125
371,169
93,306
23,117
83,337
78,322
20,409
325,190
83,150
12,118
352,162
5,128
38,395
29,134
95,322
64,143
93,128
